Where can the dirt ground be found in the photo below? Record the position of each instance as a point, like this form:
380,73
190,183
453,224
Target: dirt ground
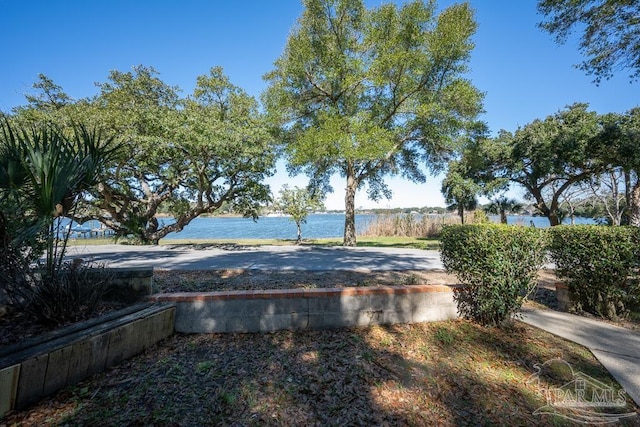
435,373
238,279
15,327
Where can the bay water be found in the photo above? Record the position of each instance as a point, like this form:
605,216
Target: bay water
326,225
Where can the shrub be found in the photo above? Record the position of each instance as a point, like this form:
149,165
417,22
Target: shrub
599,265
497,265
69,294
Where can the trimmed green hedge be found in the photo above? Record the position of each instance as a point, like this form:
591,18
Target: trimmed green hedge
498,265
599,265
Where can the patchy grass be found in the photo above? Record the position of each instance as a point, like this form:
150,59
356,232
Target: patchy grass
388,242
92,241
442,373
385,242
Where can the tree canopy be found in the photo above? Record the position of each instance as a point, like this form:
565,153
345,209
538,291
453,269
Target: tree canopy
215,148
460,192
503,206
610,37
185,156
298,203
621,135
545,157
370,93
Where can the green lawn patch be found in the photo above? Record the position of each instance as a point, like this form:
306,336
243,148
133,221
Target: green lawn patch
388,242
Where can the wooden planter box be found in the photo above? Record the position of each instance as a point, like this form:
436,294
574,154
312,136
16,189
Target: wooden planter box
34,368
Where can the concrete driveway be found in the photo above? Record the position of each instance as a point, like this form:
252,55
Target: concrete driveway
316,258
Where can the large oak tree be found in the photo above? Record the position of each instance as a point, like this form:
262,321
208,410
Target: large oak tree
622,137
186,157
181,156
370,93
546,157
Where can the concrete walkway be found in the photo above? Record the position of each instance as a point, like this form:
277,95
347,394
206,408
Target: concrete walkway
616,348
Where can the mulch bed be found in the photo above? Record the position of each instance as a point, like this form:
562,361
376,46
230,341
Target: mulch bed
240,279
16,326
441,373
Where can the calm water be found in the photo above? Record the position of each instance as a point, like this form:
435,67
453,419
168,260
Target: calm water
317,226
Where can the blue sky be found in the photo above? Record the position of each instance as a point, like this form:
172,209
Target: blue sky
524,74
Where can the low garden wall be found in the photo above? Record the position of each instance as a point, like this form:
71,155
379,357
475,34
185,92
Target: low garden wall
324,308
32,369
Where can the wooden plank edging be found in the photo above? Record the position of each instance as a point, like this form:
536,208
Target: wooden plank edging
31,373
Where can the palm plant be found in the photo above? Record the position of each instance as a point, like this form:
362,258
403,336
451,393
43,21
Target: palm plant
503,206
43,173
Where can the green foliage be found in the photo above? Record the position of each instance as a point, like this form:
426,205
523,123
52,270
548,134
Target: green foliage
298,203
480,217
545,157
503,206
459,191
621,137
599,265
371,93
445,336
497,265
609,33
43,175
184,156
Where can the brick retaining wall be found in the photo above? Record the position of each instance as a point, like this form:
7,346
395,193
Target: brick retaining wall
323,308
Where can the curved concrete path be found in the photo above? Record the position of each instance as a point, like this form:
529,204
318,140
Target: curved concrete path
616,348
316,258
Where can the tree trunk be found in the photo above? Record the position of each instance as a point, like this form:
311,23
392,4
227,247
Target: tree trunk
350,209
627,197
503,216
299,233
461,213
634,207
150,235
553,212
